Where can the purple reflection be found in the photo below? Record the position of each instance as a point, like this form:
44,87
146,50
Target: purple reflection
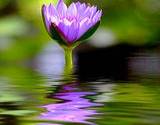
73,108
48,124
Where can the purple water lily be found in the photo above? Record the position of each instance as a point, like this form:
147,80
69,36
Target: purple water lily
70,24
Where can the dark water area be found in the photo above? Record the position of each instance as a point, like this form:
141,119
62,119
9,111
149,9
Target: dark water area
112,86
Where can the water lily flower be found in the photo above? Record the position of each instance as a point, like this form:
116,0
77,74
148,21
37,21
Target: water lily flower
72,24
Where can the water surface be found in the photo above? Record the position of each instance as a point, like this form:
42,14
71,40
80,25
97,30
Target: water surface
37,95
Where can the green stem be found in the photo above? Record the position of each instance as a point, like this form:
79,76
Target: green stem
68,59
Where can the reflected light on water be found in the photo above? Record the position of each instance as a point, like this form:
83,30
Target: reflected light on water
73,106
49,124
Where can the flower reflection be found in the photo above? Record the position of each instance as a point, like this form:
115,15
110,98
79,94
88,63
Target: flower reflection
73,108
48,124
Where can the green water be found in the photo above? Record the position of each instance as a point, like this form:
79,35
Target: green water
29,98
37,92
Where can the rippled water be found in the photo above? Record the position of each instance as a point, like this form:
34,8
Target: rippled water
40,97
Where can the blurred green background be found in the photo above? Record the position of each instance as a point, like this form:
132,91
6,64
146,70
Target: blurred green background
22,33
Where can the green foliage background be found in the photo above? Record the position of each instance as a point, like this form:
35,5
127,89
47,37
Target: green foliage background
22,33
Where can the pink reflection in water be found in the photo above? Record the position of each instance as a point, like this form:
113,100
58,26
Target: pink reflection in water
74,107
48,124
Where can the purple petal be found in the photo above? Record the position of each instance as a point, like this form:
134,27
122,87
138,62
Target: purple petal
61,8
81,7
64,30
52,10
53,14
72,10
78,4
93,10
85,13
83,27
69,32
46,21
73,32
97,16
